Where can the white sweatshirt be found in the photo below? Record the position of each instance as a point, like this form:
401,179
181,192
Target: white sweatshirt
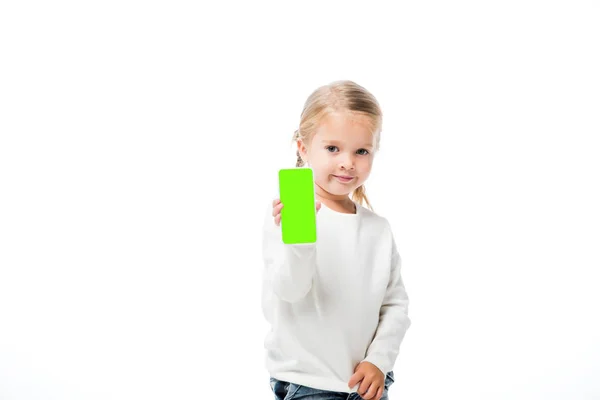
334,303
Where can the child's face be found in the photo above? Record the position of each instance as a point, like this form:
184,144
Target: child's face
343,145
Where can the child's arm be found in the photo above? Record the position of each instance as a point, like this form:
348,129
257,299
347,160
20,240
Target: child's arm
289,267
393,320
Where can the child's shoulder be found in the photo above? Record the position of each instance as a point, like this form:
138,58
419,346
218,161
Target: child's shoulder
372,217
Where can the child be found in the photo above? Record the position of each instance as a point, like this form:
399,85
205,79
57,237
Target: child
338,307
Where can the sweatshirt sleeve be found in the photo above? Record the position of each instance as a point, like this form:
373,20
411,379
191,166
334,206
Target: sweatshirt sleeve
288,267
393,320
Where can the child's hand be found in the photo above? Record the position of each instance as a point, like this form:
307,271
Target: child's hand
278,205
372,381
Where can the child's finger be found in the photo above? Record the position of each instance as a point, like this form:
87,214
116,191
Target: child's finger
276,201
355,378
277,209
364,387
278,220
379,393
318,206
371,392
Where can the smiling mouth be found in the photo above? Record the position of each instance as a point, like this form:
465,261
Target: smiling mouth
344,178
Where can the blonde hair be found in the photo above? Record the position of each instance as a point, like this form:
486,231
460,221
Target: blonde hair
343,95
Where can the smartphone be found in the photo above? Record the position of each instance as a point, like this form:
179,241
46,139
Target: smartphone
298,215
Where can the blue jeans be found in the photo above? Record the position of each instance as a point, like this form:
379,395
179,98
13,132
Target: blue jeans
288,391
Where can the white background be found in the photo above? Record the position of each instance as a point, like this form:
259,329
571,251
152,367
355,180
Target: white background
140,143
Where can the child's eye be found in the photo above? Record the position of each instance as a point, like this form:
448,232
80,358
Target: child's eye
331,147
365,150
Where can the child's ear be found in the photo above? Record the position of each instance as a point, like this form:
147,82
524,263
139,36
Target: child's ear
302,150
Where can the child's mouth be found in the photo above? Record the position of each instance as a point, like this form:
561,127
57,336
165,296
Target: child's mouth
343,179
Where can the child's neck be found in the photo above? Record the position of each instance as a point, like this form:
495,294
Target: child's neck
341,205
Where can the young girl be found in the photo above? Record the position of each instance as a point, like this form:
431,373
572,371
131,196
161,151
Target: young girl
338,308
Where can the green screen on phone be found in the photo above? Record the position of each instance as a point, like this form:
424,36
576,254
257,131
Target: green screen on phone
298,215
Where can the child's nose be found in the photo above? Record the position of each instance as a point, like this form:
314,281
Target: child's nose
348,163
